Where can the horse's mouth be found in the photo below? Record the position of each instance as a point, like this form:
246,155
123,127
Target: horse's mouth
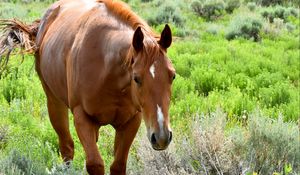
158,149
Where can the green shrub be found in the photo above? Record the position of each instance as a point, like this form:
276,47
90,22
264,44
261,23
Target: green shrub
181,87
14,85
238,104
275,2
231,5
146,0
281,12
275,95
263,145
3,136
274,29
241,80
270,2
294,11
211,149
185,63
62,169
197,7
273,144
12,11
290,27
268,13
16,163
190,104
246,26
209,9
213,29
267,79
291,110
167,13
207,80
251,6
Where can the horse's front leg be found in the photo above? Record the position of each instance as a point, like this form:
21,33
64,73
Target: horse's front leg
87,131
123,140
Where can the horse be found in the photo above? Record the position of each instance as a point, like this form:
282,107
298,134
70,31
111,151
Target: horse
103,62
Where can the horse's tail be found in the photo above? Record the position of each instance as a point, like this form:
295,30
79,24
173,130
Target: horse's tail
16,34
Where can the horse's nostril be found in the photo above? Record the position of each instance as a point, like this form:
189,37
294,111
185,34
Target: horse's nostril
170,137
153,139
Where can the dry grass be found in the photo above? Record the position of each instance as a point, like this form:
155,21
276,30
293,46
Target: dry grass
212,149
211,146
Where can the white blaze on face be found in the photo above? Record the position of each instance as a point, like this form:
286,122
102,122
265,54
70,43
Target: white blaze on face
160,119
152,70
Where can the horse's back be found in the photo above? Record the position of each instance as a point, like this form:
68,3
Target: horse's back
56,39
80,56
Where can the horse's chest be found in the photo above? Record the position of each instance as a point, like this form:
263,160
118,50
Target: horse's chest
110,107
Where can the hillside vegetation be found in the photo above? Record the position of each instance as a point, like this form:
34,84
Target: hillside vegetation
235,103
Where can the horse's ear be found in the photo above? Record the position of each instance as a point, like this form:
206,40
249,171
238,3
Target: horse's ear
166,37
138,39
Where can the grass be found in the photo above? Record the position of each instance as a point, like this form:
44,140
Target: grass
235,104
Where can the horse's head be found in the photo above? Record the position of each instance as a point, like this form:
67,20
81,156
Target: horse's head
152,76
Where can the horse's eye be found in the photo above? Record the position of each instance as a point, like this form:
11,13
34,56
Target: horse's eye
174,76
137,80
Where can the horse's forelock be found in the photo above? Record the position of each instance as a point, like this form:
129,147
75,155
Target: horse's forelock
149,54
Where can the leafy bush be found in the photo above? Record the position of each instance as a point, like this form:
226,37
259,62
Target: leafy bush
281,12
246,26
146,0
231,5
275,2
274,29
273,145
237,76
290,27
19,164
251,6
13,86
148,161
267,79
270,2
263,146
275,95
167,13
11,11
268,13
181,87
213,29
239,104
197,7
3,136
207,80
209,9
293,11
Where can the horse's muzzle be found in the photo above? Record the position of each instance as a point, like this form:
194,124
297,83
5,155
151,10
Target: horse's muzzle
161,140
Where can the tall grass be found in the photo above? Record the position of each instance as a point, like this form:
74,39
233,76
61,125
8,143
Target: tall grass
235,104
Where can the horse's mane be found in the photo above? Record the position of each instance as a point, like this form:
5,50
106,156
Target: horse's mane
123,12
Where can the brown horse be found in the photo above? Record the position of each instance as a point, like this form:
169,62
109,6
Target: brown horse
104,63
